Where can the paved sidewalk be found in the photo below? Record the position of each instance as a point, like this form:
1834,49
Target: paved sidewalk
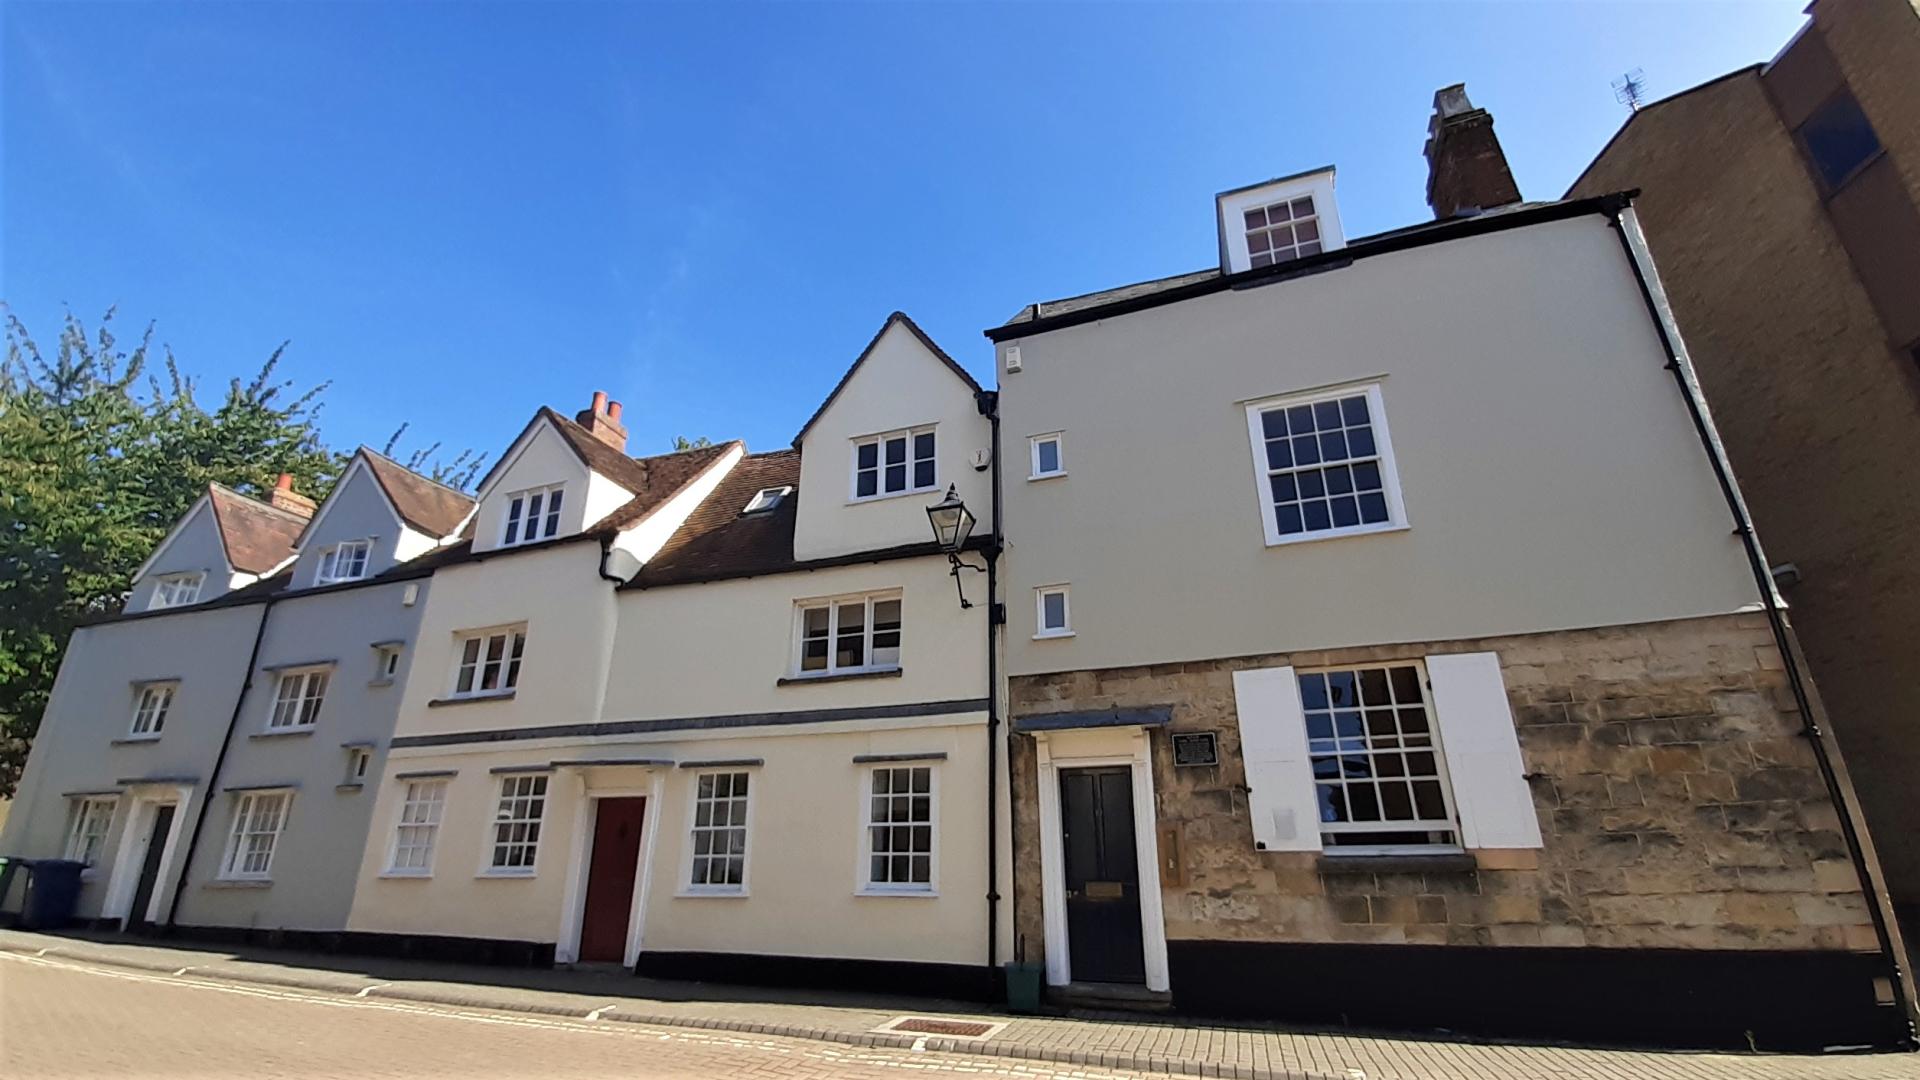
1129,1043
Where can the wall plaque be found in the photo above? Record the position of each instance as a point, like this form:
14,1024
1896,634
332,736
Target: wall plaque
1196,748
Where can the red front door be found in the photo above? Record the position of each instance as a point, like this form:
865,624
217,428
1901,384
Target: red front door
610,876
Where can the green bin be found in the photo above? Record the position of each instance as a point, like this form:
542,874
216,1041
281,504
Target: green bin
1023,987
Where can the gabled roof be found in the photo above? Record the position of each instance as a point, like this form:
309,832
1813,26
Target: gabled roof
664,476
900,318
1750,69
717,540
423,504
258,537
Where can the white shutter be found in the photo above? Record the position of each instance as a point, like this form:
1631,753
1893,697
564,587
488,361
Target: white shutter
1273,745
1482,748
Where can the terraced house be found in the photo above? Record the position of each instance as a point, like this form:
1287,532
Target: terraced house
1388,644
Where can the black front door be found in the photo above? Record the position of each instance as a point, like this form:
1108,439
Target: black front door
1103,876
150,866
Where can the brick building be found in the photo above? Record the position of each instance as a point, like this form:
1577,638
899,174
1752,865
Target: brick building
1780,202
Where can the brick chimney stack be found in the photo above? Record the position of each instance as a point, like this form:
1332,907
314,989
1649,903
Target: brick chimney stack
602,418
1466,169
283,497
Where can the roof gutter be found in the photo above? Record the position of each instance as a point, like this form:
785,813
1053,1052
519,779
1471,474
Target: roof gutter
1382,244
1626,226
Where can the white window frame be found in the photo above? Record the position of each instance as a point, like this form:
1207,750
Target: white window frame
1451,823
1233,207
688,887
512,532
879,443
151,703
1383,453
767,499
301,710
248,809
511,790
89,823
1058,439
177,590
416,828
358,552
510,662
866,886
1041,631
833,604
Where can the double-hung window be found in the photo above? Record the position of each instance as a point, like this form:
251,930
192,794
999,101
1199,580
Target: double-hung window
516,824
150,709
900,823
177,590
259,818
344,562
1282,231
87,824
1324,465
418,828
719,840
849,634
533,514
1377,766
297,698
894,463
489,662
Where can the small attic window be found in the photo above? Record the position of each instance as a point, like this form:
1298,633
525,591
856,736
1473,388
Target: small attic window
1276,222
766,499
1283,230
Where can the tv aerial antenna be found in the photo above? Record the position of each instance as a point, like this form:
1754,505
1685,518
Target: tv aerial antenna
1631,89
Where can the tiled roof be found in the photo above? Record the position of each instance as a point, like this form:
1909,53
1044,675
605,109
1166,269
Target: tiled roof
258,537
616,466
662,477
426,505
717,540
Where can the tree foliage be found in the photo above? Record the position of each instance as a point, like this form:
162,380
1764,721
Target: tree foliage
681,442
101,452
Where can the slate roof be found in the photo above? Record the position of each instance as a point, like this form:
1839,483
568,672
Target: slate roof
660,478
258,537
423,504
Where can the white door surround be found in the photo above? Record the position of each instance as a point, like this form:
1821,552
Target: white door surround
587,798
124,879
1082,748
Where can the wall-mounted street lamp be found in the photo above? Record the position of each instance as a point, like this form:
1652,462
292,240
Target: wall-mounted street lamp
952,523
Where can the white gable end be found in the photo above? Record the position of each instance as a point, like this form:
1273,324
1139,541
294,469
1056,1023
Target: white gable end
539,459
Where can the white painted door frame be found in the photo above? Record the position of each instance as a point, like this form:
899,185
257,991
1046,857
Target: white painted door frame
124,879
573,907
1053,868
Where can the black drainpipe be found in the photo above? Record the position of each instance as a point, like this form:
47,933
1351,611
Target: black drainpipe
988,402
1684,377
219,760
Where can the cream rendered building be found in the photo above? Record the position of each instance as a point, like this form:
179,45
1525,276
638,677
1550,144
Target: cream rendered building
735,729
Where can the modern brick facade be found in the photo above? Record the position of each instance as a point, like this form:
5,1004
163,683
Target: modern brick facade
1800,301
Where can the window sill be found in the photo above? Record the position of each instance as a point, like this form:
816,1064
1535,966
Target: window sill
469,699
862,500
1334,534
1061,475
350,788
380,682
1439,862
840,676
1049,635
408,875
716,894
284,733
239,883
134,740
899,894
505,875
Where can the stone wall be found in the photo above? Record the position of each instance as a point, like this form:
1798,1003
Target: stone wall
1680,806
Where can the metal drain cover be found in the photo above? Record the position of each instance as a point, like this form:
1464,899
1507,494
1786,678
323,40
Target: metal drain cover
951,1029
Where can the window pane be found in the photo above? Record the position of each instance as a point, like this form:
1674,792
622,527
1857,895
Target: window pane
1049,454
923,474
923,446
866,483
867,455
896,478
1838,139
1054,607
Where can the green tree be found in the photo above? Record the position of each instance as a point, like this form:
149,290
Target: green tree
681,442
92,475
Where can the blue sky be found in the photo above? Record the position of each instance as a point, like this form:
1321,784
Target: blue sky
458,212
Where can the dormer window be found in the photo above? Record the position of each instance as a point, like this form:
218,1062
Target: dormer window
344,562
1279,221
766,499
896,463
1281,231
177,590
533,514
